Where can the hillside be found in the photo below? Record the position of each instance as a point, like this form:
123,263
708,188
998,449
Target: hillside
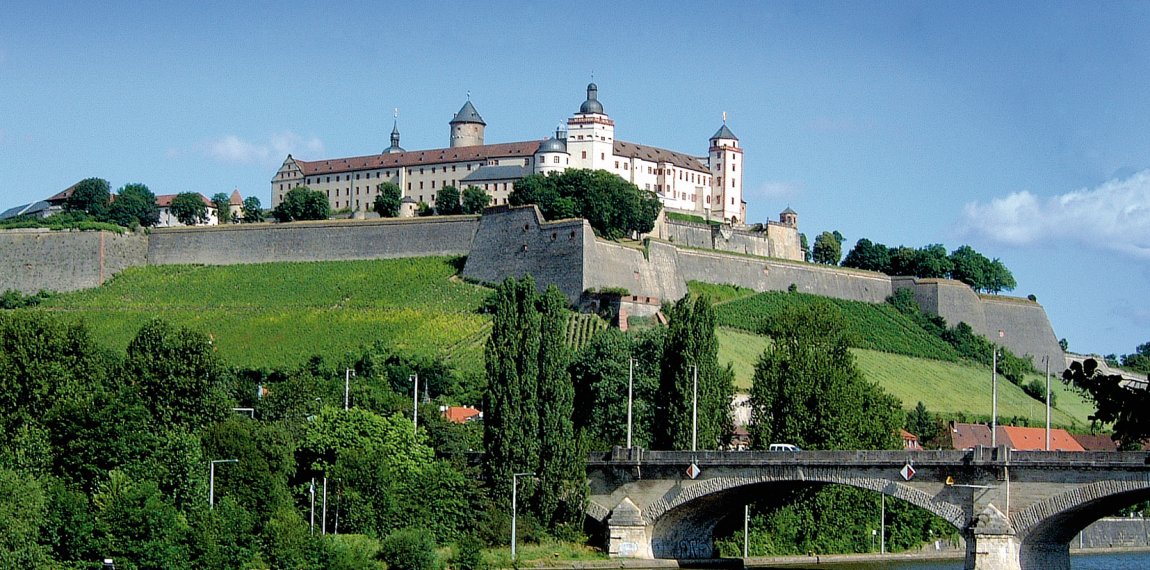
279,314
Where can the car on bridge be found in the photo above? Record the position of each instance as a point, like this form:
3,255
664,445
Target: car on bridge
784,447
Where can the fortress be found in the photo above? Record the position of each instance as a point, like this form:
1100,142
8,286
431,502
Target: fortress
508,241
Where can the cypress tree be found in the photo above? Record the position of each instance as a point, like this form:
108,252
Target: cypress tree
561,473
691,343
511,416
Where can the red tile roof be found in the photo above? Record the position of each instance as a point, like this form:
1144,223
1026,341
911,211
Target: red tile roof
655,154
1034,439
236,199
165,200
419,157
459,414
968,436
1096,442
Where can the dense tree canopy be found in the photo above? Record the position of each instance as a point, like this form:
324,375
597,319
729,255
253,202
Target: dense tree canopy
475,199
135,205
92,196
601,371
388,200
1139,360
827,250
614,207
253,211
302,203
690,352
189,208
1124,408
447,201
222,202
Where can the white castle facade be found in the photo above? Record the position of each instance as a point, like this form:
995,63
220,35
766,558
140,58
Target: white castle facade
709,186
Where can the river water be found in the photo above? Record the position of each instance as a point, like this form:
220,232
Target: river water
1108,561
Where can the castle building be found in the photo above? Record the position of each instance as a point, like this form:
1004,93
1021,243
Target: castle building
709,186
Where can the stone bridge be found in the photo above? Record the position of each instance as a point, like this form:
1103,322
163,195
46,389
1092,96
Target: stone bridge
1016,510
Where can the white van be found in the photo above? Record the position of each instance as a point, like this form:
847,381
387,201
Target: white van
783,447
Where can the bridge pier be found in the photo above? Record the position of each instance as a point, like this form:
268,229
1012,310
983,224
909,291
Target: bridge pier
628,535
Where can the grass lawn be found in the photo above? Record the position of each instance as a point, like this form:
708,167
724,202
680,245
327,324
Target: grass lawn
948,388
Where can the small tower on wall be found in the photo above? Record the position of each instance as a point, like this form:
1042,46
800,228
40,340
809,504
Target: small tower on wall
591,134
467,127
726,162
552,154
789,218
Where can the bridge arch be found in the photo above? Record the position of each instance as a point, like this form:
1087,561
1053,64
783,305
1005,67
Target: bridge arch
1060,518
682,525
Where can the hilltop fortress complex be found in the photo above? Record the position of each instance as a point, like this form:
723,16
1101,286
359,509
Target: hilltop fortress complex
708,186
512,241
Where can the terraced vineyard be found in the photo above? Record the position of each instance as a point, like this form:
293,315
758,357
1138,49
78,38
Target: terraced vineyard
279,314
581,327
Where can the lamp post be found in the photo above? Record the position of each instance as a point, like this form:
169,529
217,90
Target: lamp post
746,529
514,506
882,525
212,479
1047,358
630,395
695,409
994,392
347,374
414,403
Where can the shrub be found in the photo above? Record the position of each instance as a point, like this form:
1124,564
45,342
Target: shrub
469,554
409,549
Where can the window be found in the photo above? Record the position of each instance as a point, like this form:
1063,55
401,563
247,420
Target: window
453,168
421,185
329,180
626,166
602,156
556,161
732,183
584,152
357,176
616,165
433,185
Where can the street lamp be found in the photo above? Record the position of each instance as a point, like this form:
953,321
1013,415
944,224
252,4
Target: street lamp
630,395
994,392
414,403
514,505
347,374
695,409
212,479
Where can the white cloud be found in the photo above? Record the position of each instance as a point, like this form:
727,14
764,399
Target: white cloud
1113,216
777,189
233,149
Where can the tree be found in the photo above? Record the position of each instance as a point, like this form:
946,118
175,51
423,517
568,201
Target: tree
135,205
222,202
805,246
869,256
1117,404
1139,360
691,349
612,206
998,278
600,373
447,201
970,267
511,419
562,475
931,261
921,423
807,389
189,208
302,203
92,196
388,201
827,249
475,199
253,211
179,375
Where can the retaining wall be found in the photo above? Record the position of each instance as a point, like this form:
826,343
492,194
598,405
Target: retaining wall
313,241
36,259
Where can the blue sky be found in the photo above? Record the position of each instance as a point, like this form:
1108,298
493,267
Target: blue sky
1018,128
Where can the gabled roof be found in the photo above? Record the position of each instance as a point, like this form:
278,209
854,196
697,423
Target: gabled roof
1096,442
460,414
489,173
467,114
165,200
969,436
655,154
417,158
63,195
26,209
1034,439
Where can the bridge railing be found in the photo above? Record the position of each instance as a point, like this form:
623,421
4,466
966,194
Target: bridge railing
979,455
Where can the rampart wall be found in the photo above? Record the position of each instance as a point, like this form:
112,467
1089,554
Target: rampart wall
313,241
36,259
507,242
775,240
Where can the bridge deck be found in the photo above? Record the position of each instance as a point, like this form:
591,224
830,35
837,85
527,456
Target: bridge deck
978,456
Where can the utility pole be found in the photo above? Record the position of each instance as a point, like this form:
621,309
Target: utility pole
630,394
415,404
695,410
1047,358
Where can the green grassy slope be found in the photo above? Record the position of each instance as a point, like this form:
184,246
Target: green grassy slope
279,314
949,388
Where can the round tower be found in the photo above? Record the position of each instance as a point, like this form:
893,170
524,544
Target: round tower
552,155
467,127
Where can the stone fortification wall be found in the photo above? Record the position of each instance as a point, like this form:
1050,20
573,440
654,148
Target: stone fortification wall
1114,533
775,240
313,241
511,242
763,274
35,259
1026,328
653,274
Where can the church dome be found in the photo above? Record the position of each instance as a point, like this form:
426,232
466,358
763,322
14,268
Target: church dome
592,104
